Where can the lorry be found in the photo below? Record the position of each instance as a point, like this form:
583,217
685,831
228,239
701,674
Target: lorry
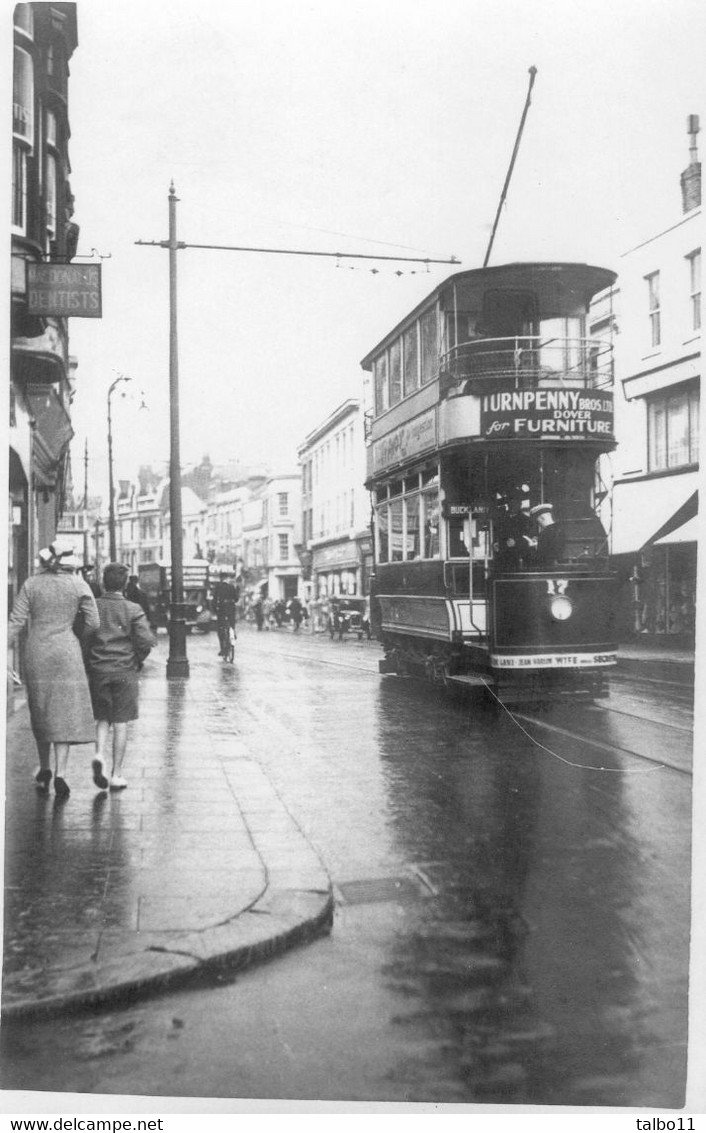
155,579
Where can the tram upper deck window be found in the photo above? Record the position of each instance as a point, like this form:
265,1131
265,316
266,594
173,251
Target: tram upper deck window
395,371
429,346
461,327
509,313
410,355
382,401
563,349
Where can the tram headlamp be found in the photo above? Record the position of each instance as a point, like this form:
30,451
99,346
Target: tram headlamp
561,607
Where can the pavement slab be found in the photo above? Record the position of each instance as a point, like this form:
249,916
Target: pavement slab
198,864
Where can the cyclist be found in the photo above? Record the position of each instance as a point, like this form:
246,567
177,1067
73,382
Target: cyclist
225,597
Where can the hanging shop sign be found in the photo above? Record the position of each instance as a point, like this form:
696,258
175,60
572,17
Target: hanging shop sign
64,290
569,414
407,440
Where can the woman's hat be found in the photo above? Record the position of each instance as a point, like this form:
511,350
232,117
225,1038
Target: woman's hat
59,556
540,509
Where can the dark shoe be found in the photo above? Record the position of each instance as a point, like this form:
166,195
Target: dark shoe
43,778
98,777
61,787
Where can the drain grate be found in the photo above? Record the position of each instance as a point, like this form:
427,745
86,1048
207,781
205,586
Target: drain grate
378,889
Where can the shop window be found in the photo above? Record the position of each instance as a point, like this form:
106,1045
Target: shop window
673,429
654,308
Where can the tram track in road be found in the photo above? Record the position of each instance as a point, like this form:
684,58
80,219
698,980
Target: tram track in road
636,716
580,737
599,745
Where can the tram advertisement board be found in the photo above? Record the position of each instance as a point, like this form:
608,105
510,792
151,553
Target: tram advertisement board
407,440
537,414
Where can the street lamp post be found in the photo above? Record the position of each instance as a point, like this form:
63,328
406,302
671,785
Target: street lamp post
177,662
112,551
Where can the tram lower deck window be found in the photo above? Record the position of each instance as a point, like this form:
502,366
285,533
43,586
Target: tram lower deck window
407,524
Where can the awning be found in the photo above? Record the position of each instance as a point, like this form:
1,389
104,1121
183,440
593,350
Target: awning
687,533
647,510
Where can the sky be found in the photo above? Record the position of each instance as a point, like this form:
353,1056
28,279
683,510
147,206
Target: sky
370,126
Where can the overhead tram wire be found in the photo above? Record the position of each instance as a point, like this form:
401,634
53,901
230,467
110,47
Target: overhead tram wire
304,252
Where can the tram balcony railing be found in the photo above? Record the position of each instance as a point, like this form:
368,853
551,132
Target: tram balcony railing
529,361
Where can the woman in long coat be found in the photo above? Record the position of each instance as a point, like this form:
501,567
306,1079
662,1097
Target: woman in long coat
57,687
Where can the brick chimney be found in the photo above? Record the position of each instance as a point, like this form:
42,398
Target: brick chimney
691,177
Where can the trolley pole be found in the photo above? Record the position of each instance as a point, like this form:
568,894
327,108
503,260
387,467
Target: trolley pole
528,100
177,662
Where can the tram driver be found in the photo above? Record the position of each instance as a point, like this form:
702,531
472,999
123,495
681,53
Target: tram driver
549,543
514,541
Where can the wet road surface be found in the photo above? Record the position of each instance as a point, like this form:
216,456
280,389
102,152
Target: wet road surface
513,903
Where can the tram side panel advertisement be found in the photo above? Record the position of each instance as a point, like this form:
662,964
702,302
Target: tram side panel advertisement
543,414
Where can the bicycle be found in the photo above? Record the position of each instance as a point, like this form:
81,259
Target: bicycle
226,640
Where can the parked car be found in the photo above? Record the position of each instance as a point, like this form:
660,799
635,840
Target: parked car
349,615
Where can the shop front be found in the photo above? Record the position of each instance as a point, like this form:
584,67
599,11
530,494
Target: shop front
657,521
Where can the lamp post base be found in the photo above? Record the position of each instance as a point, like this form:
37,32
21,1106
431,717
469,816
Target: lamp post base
177,667
177,662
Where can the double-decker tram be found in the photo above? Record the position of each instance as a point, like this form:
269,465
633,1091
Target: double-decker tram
491,410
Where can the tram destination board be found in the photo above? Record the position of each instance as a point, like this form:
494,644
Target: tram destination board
64,290
569,414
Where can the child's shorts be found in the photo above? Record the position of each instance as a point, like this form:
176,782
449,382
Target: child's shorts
114,696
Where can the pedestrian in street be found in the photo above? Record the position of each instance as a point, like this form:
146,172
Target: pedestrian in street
296,612
116,653
225,599
133,593
89,577
58,696
258,612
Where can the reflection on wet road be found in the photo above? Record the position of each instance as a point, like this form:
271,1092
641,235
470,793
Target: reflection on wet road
512,925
